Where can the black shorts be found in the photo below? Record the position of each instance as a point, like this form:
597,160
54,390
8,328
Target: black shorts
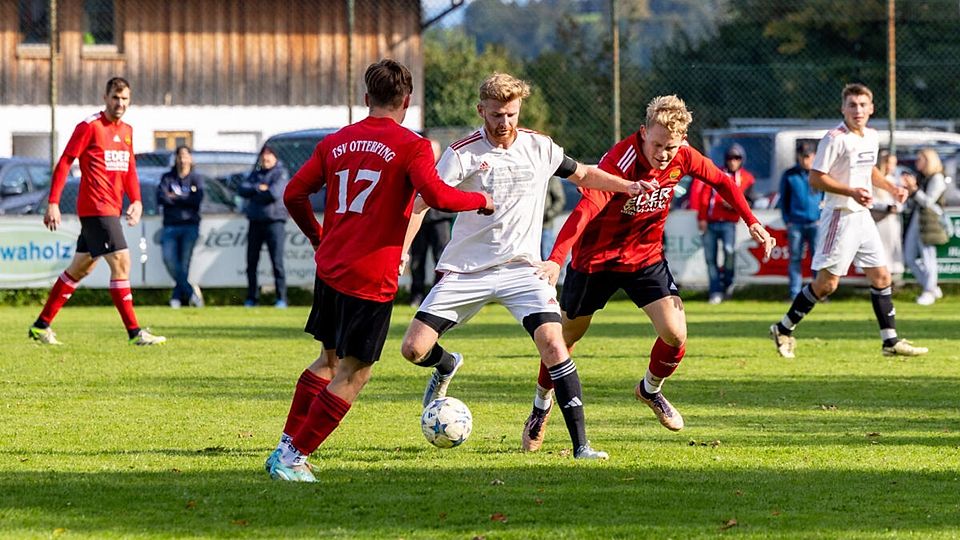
353,326
584,294
100,235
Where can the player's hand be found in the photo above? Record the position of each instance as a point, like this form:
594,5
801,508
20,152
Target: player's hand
901,194
488,208
862,196
134,211
549,271
404,259
51,218
642,186
762,237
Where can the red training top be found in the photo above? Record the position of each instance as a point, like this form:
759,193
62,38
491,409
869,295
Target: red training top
107,167
616,232
712,207
372,170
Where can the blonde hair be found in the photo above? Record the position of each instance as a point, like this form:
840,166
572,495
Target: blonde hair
670,112
503,88
934,165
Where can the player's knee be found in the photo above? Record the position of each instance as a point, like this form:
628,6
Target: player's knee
674,337
410,350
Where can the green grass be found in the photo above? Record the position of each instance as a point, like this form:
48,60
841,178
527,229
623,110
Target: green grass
100,439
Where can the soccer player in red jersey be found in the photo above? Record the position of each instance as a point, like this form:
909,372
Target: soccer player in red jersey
104,145
617,243
372,170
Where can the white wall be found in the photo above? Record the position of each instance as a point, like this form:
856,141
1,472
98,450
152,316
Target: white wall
214,128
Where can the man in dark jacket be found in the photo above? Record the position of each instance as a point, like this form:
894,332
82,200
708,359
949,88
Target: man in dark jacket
800,208
267,215
179,193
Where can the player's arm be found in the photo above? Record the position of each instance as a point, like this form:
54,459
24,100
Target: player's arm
590,177
131,186
432,188
413,227
296,197
824,182
703,169
75,146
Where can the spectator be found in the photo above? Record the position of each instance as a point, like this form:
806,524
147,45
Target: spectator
556,200
267,215
886,213
179,194
717,221
800,208
433,236
925,231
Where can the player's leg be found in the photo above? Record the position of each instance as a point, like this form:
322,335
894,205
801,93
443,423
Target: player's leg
80,267
583,295
533,302
360,330
321,325
838,241
654,290
452,301
122,296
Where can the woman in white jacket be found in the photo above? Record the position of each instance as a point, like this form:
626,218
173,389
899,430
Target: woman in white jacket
925,192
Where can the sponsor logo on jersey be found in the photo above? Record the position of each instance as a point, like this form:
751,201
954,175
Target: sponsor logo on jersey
127,141
484,166
674,174
116,138
654,201
117,160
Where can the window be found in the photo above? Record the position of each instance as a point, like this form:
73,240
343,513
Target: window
98,23
35,22
170,140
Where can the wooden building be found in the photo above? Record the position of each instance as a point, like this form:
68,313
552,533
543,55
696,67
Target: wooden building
184,54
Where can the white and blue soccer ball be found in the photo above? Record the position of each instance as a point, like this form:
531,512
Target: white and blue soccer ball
446,422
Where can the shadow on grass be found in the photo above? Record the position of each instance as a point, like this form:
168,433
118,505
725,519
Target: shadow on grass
537,500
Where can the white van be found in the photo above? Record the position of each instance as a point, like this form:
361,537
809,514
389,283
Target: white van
771,149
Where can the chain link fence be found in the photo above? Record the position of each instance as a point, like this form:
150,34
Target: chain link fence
785,59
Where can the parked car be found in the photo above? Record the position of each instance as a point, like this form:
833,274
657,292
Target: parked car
293,149
216,164
23,184
217,199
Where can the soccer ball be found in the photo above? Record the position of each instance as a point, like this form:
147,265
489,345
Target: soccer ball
446,422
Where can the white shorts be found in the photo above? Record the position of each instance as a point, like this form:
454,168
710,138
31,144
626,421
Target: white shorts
847,237
457,297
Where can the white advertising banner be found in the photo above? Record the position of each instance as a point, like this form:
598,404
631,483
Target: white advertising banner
32,256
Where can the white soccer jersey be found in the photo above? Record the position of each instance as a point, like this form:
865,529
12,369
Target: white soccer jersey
516,178
849,159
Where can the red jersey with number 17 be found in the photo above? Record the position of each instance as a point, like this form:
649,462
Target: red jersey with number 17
616,232
107,167
372,170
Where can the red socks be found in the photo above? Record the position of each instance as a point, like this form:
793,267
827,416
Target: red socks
326,412
123,300
664,359
61,292
308,386
543,378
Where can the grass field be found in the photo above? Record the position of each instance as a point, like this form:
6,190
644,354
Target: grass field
99,439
